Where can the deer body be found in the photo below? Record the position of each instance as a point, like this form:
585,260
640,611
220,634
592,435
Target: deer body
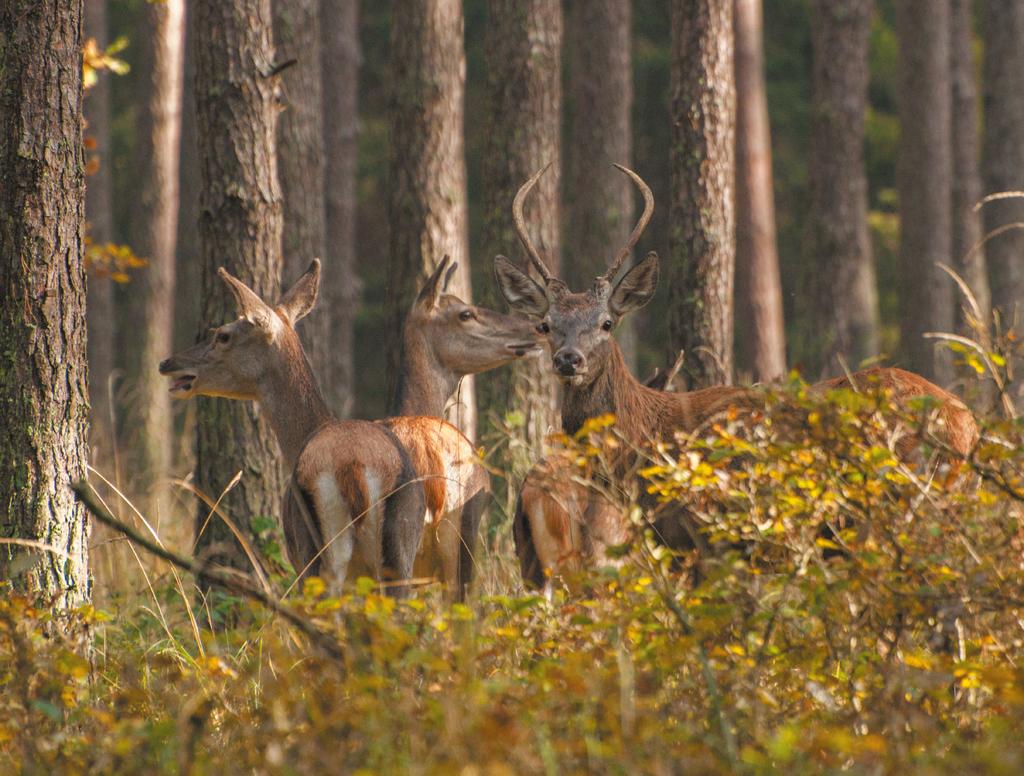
596,381
353,503
445,339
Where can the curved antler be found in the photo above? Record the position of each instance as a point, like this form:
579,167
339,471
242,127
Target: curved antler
524,235
645,217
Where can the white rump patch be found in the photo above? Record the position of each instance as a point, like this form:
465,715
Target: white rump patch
336,518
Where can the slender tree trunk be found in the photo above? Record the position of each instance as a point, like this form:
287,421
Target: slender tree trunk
240,229
339,25
599,201
1004,153
843,295
702,242
524,91
968,251
762,340
150,301
43,385
300,159
925,183
187,288
428,168
99,215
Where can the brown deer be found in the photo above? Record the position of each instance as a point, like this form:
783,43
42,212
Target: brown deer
559,522
354,505
578,328
445,339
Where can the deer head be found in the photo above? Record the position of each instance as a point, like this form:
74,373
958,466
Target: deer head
578,326
233,360
460,338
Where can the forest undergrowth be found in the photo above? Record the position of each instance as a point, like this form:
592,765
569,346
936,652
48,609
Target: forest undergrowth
856,613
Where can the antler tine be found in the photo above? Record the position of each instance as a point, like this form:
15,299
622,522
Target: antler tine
524,235
638,230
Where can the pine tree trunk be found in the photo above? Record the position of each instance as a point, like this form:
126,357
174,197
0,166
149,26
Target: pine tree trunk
99,216
44,399
599,198
240,229
1004,153
924,178
968,251
150,297
762,339
843,294
524,90
300,160
702,243
339,24
428,168
187,301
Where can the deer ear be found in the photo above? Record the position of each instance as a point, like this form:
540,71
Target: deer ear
300,299
636,287
449,275
522,292
431,291
248,301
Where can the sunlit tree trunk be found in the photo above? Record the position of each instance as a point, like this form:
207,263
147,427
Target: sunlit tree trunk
43,385
523,47
150,298
1004,152
99,215
339,24
761,338
428,168
300,159
843,296
239,229
599,198
702,243
924,178
968,251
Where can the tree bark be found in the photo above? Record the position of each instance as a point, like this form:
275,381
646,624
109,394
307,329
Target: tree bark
99,215
240,229
187,301
428,169
924,181
843,295
1004,153
968,251
762,340
150,297
702,242
599,197
300,160
43,382
524,92
339,24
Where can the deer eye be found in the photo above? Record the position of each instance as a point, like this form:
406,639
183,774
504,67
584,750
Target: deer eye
607,325
466,315
543,327
223,337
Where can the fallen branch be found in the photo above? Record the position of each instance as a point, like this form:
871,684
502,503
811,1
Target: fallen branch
229,579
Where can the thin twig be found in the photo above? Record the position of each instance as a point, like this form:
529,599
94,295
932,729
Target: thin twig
229,579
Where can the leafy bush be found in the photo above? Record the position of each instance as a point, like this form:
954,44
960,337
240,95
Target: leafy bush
855,612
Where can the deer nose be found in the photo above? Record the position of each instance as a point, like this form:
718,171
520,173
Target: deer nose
165,365
568,361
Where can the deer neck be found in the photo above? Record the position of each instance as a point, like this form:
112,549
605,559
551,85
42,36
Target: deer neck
291,399
640,412
424,385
